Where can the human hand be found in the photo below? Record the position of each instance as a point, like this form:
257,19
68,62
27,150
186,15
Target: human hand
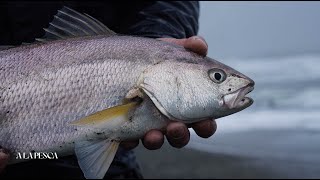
4,158
177,133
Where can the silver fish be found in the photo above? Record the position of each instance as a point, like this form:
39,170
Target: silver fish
88,88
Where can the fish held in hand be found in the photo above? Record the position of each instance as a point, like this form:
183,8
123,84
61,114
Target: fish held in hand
82,89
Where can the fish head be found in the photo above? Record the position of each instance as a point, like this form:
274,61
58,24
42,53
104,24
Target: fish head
197,90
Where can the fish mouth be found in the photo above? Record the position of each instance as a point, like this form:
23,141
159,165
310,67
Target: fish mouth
238,99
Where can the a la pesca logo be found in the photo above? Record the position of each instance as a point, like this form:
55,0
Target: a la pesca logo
36,155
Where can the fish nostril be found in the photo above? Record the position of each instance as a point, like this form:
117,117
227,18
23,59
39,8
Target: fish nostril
229,89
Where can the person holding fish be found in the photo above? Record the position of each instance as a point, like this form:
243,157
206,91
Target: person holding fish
104,117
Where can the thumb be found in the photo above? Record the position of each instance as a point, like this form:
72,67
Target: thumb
195,43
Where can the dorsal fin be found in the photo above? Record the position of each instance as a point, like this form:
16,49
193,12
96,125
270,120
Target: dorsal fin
70,23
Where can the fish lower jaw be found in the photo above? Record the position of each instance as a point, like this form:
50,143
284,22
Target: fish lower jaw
244,103
238,100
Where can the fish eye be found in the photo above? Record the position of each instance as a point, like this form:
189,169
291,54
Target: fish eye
217,75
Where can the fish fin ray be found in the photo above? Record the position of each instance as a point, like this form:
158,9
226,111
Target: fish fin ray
40,40
100,25
95,157
68,23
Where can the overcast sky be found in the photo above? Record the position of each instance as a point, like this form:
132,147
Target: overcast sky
258,29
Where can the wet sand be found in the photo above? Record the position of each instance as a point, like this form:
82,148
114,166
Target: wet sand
187,163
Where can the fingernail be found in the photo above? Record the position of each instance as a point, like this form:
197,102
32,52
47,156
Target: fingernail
199,38
196,38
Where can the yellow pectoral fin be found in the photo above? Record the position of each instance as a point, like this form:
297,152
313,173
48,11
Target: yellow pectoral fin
117,114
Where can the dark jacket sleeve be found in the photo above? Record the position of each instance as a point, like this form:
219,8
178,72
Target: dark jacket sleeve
178,19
